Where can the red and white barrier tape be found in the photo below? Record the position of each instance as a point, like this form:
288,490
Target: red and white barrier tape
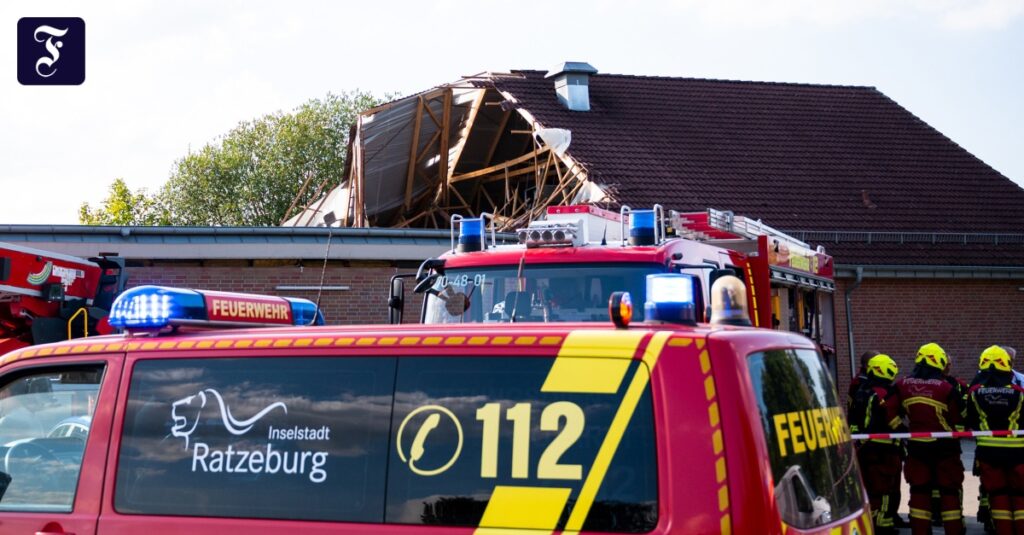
937,434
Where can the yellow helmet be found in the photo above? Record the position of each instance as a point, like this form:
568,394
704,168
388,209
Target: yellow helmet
933,355
883,367
995,356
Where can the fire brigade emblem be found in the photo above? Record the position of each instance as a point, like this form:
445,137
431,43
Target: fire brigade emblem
67,276
36,279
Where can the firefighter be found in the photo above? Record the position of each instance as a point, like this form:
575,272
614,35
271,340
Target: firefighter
875,409
994,402
931,401
861,376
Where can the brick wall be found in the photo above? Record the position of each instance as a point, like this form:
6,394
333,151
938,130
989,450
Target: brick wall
896,316
365,302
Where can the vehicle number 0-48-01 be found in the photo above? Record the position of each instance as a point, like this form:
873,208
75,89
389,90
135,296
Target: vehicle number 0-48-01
563,417
463,280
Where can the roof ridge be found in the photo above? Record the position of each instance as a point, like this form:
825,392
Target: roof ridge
948,139
717,80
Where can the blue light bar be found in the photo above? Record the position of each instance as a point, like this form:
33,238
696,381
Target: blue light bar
154,307
670,298
305,312
641,227
157,307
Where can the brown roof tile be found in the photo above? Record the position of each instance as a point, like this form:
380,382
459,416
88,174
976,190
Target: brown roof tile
797,156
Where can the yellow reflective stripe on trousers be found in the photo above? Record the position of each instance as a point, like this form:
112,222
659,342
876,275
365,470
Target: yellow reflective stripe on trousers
882,520
1001,514
1001,442
922,514
952,515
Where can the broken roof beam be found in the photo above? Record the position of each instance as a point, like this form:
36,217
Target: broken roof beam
464,134
410,173
442,164
501,166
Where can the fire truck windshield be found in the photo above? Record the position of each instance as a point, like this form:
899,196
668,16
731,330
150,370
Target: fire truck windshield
545,293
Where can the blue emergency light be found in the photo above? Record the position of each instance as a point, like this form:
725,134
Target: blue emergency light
641,227
157,307
305,312
471,234
670,298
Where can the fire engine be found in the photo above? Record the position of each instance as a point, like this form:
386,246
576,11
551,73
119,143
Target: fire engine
565,267
46,297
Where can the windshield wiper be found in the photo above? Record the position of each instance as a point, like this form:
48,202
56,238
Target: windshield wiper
521,282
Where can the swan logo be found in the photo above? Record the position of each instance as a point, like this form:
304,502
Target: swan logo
51,51
282,453
185,415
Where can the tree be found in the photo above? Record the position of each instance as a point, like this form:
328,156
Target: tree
250,176
253,173
123,207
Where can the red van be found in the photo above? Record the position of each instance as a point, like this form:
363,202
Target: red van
655,427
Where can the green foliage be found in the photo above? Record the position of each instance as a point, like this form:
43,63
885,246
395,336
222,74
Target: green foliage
249,176
123,207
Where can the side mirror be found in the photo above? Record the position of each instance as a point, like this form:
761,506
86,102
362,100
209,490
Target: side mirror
396,300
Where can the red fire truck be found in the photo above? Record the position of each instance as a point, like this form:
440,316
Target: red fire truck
565,267
47,297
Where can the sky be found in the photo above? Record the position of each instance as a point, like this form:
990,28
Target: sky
163,78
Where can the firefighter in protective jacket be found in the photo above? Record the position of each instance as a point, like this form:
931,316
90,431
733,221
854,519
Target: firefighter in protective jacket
993,403
932,401
874,408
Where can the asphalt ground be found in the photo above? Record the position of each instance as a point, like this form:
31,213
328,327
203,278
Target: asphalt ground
970,494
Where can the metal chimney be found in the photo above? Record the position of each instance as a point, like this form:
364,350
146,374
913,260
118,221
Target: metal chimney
572,84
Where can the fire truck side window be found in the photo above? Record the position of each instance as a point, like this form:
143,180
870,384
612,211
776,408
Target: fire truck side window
44,425
466,430
285,438
809,447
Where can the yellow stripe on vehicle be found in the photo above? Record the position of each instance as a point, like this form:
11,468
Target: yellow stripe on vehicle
586,375
534,508
637,386
866,526
601,344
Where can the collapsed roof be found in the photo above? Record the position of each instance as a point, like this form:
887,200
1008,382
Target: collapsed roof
799,156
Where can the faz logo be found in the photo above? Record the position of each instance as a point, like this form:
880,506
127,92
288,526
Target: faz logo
185,415
51,51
